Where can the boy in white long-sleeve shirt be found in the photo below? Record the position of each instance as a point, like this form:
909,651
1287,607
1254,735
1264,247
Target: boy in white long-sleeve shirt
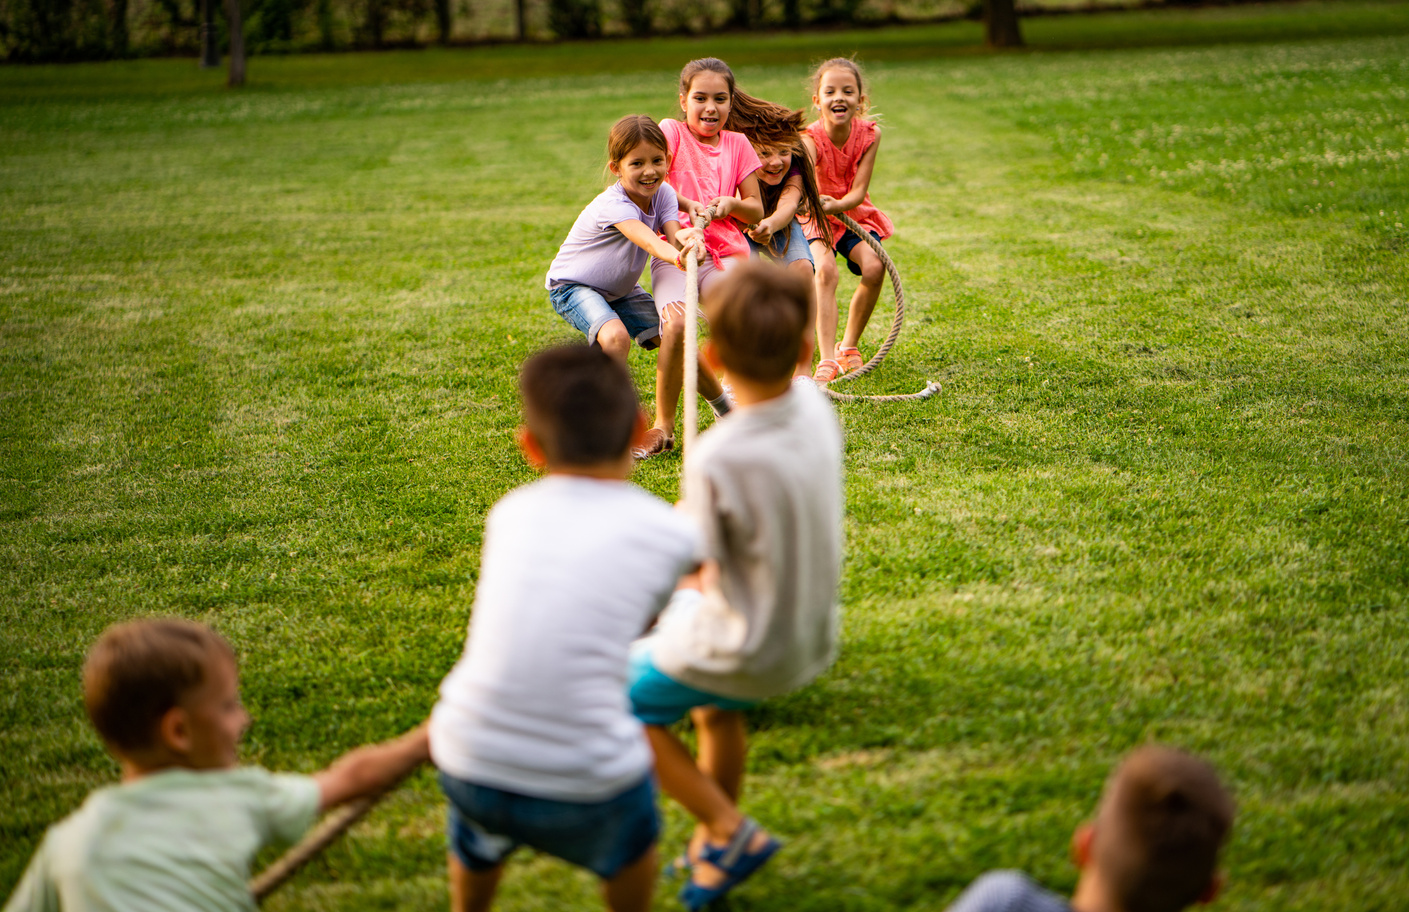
765,487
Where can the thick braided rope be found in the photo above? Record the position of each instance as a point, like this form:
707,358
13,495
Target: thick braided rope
322,836
930,386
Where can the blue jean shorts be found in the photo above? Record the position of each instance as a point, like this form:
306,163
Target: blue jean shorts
486,824
847,243
587,311
793,246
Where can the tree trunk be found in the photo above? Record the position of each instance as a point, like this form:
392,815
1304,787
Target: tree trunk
1000,21
237,43
119,33
523,19
210,49
443,20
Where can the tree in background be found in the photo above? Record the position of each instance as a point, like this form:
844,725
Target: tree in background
444,20
1000,24
237,44
575,18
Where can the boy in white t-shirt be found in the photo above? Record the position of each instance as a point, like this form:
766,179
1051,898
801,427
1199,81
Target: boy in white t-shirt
183,826
764,484
533,733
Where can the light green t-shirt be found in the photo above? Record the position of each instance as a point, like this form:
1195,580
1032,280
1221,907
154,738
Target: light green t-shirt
173,841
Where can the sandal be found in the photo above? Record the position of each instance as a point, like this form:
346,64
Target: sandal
734,859
654,443
827,371
850,359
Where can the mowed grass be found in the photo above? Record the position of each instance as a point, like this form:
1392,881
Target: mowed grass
258,369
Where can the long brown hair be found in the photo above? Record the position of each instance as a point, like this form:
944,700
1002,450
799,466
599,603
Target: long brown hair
773,126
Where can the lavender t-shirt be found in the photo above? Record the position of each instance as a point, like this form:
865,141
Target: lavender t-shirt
599,256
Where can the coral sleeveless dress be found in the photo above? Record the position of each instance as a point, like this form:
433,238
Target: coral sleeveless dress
836,171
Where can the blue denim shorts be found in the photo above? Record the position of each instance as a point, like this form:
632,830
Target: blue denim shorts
848,241
587,311
793,246
486,824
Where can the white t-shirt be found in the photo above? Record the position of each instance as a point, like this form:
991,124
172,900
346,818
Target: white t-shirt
573,570
169,842
598,255
765,486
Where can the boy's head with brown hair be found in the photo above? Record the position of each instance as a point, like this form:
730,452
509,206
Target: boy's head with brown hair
1154,845
760,318
163,693
580,410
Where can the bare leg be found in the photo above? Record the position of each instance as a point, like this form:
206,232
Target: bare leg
630,890
701,795
807,271
472,891
614,340
867,293
670,370
825,284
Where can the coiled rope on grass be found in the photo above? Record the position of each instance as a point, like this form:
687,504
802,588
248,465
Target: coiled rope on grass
897,322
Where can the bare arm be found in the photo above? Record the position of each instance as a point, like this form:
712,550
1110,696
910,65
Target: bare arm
370,769
788,202
861,185
637,233
686,238
747,207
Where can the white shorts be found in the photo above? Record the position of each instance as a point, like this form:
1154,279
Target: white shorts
668,283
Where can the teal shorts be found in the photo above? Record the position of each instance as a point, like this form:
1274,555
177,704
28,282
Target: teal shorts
658,699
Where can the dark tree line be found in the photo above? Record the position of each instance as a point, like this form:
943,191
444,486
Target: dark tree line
35,30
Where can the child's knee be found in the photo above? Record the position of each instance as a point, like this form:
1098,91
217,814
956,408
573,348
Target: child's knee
827,270
613,336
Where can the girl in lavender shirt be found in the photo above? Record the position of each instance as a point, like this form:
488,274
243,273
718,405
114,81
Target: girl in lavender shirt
594,281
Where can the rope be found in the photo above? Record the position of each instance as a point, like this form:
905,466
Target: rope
318,839
930,386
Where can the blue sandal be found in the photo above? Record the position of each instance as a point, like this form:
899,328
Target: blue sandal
734,859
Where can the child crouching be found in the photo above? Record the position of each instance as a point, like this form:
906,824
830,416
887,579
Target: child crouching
183,826
1152,848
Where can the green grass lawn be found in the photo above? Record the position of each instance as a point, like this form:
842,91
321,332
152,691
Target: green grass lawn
257,368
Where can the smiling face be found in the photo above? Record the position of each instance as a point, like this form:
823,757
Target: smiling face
706,106
776,163
838,97
641,171
214,717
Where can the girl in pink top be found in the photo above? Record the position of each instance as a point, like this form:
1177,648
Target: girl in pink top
712,171
844,146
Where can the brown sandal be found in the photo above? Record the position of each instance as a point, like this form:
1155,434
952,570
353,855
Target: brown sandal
654,443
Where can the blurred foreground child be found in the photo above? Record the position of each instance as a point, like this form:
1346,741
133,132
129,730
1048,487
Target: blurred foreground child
1152,848
765,486
533,735
181,829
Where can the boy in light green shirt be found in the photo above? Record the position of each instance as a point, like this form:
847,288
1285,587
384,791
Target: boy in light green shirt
181,829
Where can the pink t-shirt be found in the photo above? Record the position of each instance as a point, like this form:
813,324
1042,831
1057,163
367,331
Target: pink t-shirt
836,172
700,172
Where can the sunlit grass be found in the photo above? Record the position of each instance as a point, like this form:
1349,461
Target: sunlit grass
257,367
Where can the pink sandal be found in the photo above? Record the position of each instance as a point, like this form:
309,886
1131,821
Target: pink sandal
827,371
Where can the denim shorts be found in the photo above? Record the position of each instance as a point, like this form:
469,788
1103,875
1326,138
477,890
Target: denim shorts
587,311
486,824
847,242
796,246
